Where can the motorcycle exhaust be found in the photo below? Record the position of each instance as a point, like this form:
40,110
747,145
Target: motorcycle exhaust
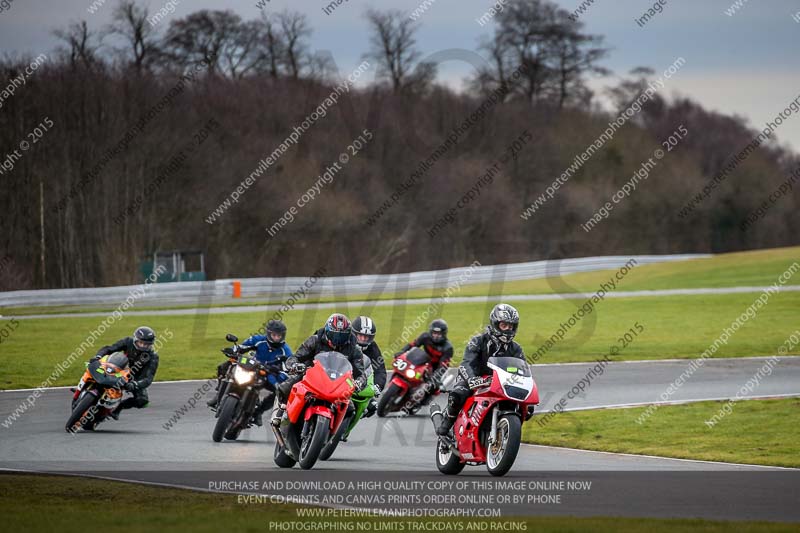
493,431
278,436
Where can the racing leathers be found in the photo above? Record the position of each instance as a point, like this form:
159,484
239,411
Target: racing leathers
478,351
379,374
143,367
440,354
266,355
316,344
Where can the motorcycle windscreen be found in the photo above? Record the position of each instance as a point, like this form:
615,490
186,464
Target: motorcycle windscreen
334,364
512,365
515,375
118,360
103,373
418,356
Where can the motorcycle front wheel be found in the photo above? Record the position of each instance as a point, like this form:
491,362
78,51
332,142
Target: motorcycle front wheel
315,439
501,455
226,414
82,408
388,399
331,445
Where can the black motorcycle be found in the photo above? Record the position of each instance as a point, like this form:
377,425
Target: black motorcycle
239,390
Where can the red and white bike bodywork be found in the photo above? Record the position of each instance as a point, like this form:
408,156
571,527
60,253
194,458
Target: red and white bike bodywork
488,429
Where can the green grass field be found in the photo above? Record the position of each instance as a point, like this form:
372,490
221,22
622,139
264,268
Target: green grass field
763,432
675,326
753,268
53,503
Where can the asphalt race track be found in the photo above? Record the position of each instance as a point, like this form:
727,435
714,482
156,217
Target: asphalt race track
37,440
139,447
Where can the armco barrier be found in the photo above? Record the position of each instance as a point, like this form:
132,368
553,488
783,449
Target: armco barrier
220,291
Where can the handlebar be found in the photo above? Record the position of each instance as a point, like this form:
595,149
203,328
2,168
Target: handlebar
236,350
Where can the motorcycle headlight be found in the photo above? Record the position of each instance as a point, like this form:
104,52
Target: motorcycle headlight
242,376
410,374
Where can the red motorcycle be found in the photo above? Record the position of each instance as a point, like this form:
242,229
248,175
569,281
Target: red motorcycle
315,410
411,371
488,429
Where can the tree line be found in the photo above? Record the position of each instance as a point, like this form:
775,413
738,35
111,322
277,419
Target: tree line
256,79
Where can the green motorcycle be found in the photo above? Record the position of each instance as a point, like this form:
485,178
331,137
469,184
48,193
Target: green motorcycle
360,402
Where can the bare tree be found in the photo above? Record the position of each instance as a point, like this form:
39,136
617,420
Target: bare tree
241,55
129,21
82,43
206,36
629,89
393,48
272,48
574,55
548,47
294,31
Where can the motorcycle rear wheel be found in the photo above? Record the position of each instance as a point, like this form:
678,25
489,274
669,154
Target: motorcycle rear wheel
447,462
280,457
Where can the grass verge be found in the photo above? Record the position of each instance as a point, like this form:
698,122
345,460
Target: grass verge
762,432
752,268
674,327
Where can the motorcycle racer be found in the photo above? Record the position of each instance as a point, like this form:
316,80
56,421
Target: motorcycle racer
439,349
143,362
271,349
337,336
365,330
496,341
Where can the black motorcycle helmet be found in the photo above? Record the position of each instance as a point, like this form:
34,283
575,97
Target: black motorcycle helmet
438,331
507,314
276,327
143,340
337,331
364,326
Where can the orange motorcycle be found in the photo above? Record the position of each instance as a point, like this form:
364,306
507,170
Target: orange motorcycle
99,391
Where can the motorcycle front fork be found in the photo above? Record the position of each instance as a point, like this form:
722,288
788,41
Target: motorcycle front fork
493,430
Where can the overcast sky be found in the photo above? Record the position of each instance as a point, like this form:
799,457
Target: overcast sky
747,64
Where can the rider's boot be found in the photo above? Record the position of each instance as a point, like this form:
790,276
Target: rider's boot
213,402
448,419
262,406
277,413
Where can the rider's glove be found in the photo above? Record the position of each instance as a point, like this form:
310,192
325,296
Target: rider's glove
131,386
297,368
360,383
372,406
377,389
478,381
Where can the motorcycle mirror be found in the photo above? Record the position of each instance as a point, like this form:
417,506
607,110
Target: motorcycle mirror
230,337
